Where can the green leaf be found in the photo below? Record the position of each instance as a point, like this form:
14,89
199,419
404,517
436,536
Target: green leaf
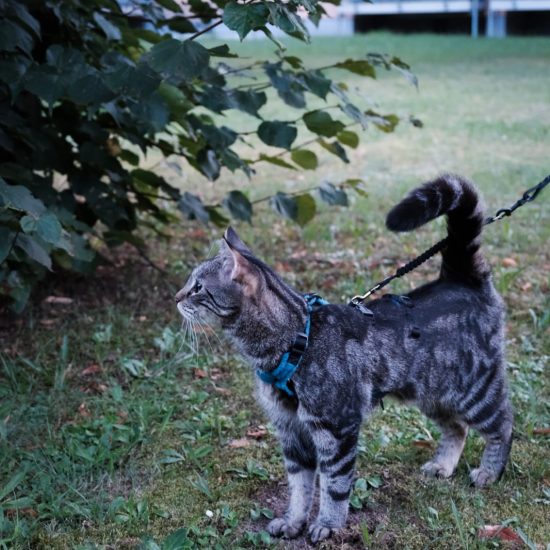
20,198
287,21
17,503
180,24
129,157
335,148
28,223
304,158
170,5
416,122
238,205
44,82
288,86
25,17
6,240
219,99
306,209
171,456
221,51
277,161
176,540
14,38
48,228
332,195
404,69
244,18
357,185
150,179
216,217
349,138
277,134
112,32
90,89
193,207
358,66
153,113
285,205
178,60
293,61
11,484
208,163
321,123
316,83
34,250
386,123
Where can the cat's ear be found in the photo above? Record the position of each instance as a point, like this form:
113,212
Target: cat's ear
234,241
243,271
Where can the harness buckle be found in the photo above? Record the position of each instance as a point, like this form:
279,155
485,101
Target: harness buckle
300,343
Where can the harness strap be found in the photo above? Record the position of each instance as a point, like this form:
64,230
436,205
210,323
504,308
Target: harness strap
290,361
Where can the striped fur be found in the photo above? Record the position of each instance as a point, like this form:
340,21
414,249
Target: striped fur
458,199
445,354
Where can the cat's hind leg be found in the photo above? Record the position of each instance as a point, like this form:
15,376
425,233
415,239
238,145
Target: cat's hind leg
496,429
451,444
301,463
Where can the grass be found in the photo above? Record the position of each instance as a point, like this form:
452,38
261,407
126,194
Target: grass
115,434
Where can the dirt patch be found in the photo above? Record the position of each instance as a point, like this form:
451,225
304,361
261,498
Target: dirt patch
275,496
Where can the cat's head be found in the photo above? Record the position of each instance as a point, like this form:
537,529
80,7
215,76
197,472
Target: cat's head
235,284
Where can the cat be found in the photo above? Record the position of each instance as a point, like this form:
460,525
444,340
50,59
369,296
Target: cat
441,347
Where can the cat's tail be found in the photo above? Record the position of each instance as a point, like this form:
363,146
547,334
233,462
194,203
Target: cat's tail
458,199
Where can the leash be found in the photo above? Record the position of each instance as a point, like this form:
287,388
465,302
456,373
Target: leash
528,196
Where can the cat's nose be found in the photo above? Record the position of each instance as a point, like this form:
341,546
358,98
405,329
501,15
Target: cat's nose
179,296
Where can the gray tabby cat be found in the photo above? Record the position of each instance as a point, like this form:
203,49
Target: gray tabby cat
440,348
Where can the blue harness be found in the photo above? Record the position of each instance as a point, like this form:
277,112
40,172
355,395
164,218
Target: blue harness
290,361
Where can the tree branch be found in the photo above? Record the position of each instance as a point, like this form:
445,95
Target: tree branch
206,29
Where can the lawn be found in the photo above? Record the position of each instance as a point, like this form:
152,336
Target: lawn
118,432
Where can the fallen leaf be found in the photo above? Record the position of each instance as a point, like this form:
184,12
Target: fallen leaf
199,373
240,443
60,300
92,369
196,234
498,532
422,443
29,512
509,262
222,391
526,286
257,433
83,411
541,431
283,267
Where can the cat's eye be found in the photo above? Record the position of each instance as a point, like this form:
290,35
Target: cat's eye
197,287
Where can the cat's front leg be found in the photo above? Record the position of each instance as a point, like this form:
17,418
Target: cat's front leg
336,451
300,462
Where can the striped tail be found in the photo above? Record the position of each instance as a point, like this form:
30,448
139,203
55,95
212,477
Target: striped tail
459,200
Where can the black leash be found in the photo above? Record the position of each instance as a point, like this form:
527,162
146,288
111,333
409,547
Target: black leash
528,196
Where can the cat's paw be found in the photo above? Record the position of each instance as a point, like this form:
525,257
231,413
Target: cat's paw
481,477
281,527
319,532
435,469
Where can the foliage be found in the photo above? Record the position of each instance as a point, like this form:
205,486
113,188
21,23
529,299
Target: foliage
89,88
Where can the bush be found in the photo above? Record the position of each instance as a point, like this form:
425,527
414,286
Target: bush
89,86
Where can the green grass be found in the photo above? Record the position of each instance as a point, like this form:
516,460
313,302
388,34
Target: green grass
114,434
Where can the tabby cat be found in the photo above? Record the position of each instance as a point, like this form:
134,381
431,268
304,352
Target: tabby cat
440,347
